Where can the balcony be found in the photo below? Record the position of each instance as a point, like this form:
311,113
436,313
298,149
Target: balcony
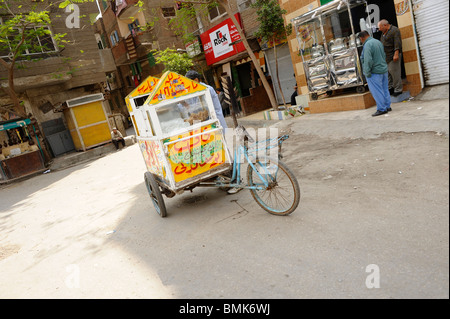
132,47
127,9
33,74
107,60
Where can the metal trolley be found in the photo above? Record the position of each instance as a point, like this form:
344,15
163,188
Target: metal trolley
330,48
184,146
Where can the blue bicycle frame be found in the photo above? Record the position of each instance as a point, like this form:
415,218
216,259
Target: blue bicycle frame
236,176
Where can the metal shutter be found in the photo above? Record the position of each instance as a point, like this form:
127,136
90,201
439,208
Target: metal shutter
432,19
285,72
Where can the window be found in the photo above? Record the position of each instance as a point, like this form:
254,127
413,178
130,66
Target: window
182,114
244,4
216,11
99,40
134,27
168,12
38,44
114,38
104,4
136,68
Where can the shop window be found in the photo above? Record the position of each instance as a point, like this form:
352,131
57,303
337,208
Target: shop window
216,11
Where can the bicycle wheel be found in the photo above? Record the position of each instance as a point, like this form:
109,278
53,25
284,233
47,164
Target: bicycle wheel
155,194
282,195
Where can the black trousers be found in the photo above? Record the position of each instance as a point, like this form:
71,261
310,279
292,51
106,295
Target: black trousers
116,143
293,102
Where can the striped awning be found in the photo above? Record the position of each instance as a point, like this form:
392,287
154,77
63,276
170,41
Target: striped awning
10,125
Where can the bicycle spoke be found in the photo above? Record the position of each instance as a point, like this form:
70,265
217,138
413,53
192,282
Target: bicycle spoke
281,194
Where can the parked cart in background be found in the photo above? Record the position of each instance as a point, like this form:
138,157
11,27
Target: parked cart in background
183,146
330,48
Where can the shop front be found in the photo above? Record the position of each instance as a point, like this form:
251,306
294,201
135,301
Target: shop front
330,86
19,154
225,54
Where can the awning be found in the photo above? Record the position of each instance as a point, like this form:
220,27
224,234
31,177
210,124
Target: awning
20,123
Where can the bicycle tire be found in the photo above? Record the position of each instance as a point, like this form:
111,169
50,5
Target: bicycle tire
264,201
155,194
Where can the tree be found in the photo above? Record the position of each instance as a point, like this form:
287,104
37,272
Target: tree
272,28
174,61
224,3
18,33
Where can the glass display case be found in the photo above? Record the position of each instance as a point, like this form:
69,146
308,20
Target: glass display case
329,46
182,114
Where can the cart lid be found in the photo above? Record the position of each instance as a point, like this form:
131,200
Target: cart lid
144,88
171,86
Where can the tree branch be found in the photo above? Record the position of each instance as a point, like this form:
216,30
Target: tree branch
196,2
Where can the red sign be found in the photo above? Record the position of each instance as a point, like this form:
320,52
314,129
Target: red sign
217,41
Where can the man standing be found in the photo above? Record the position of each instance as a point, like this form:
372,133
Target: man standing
195,76
392,42
375,70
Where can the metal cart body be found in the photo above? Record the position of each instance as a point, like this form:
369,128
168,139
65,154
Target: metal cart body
180,148
330,48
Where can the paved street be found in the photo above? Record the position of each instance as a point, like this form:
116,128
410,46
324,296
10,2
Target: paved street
372,221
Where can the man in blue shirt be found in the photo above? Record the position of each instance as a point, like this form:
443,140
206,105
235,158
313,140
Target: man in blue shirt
195,76
375,69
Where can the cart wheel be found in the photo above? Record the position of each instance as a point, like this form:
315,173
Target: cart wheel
282,195
360,89
314,96
155,194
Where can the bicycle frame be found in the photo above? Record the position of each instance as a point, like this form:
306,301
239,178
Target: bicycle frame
236,175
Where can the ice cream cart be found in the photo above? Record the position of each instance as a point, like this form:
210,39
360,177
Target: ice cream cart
183,146
179,134
329,46
135,101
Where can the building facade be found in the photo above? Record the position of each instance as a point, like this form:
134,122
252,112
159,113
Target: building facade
133,33
45,80
399,13
234,60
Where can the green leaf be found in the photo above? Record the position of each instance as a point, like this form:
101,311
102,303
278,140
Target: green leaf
64,4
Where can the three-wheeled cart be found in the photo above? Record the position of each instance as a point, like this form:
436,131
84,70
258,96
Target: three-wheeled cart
329,46
183,146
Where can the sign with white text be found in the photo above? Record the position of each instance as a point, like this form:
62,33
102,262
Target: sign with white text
218,41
